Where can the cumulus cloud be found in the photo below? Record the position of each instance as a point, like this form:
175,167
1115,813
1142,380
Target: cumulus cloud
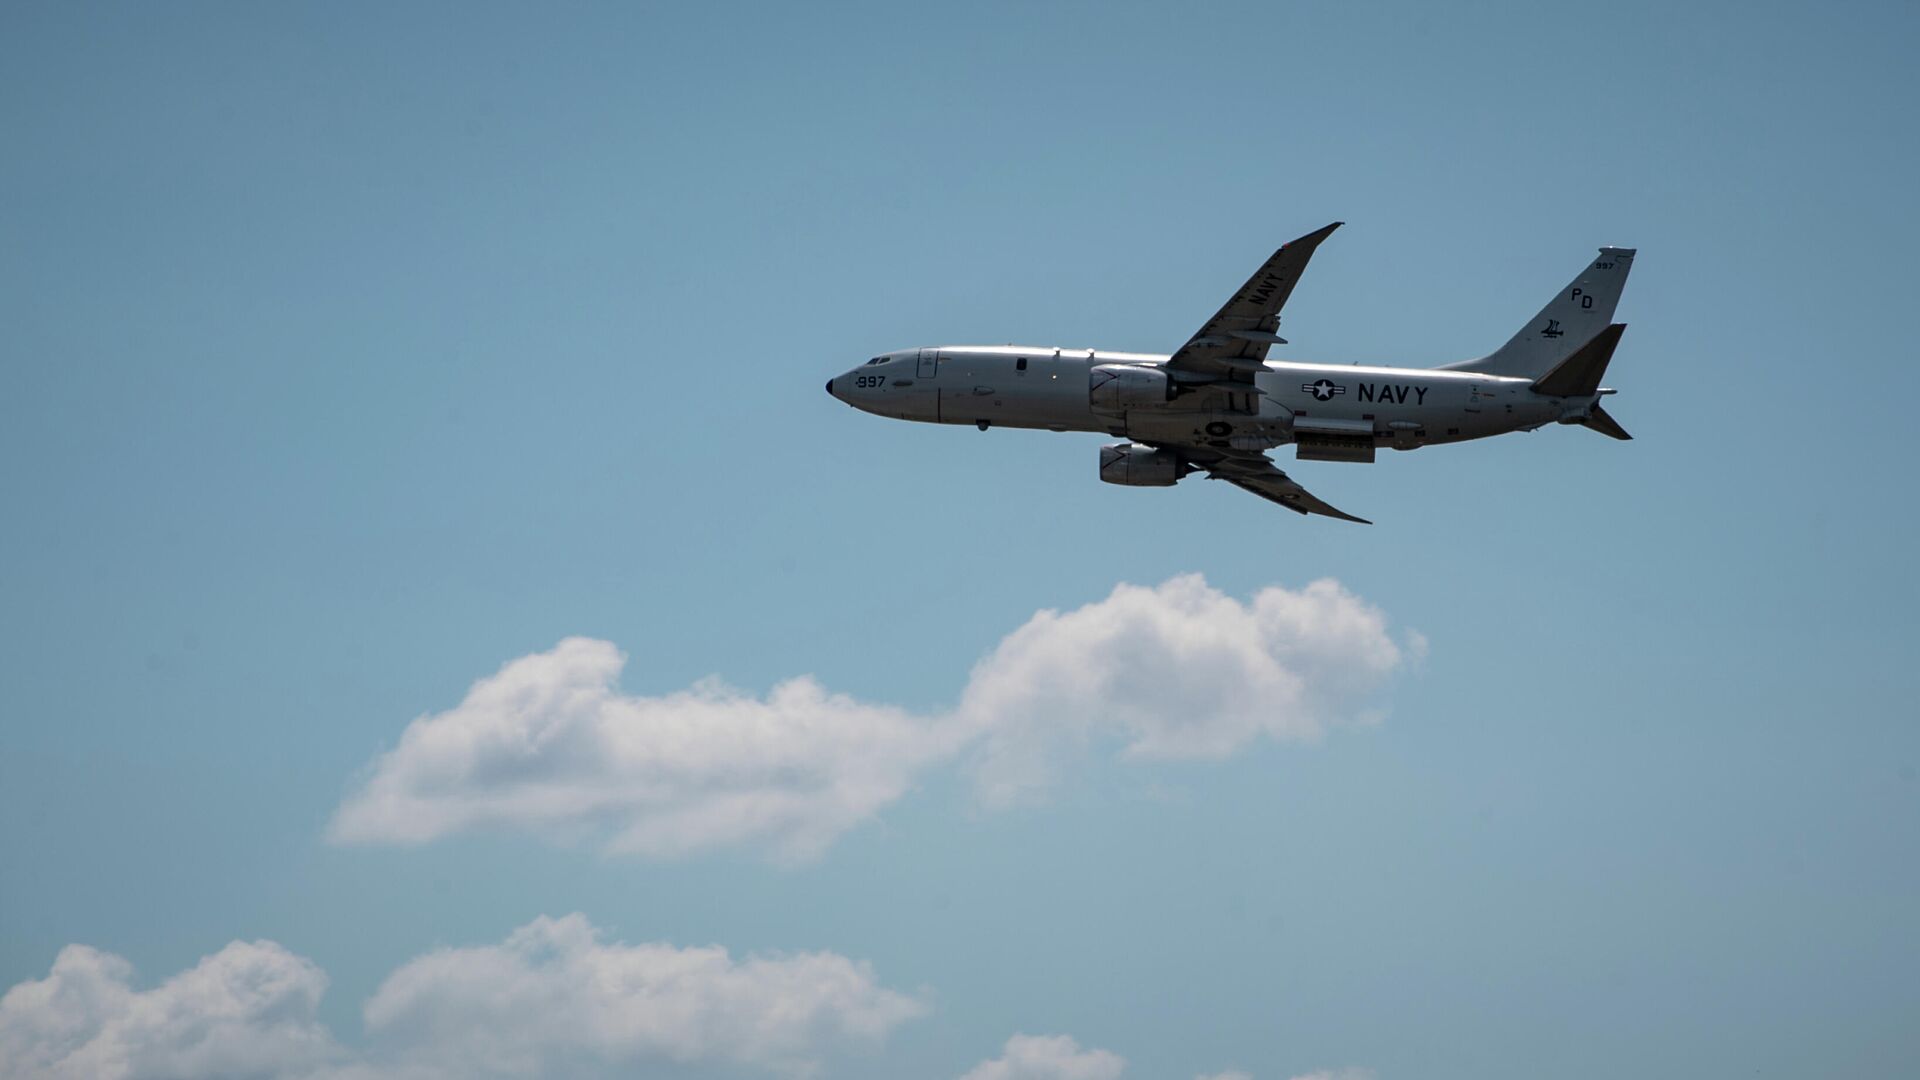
247,1010
549,743
553,999
1318,1074
1048,1057
1059,1057
553,995
1178,671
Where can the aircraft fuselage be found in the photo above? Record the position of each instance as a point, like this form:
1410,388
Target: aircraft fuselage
1057,390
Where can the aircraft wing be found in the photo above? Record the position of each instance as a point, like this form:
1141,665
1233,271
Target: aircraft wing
1257,473
1234,342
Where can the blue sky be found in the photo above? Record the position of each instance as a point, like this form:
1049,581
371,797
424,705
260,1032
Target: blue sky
353,353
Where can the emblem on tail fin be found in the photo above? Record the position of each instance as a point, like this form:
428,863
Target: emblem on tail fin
1553,329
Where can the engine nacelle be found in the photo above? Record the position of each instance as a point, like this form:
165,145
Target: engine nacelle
1138,466
1114,388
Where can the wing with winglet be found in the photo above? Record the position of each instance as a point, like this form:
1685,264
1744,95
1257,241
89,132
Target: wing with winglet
1255,472
1234,343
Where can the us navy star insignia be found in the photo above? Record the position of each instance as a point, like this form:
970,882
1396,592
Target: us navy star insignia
1324,389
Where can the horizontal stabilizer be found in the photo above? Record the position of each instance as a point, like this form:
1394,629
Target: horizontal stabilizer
1605,424
1579,375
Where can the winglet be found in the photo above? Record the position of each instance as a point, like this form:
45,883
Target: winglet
1294,503
1343,516
1313,238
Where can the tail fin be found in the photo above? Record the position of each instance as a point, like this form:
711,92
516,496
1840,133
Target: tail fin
1570,320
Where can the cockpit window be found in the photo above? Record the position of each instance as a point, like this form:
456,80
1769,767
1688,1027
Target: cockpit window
876,360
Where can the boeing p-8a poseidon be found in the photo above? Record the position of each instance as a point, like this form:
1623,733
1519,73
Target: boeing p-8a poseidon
1219,404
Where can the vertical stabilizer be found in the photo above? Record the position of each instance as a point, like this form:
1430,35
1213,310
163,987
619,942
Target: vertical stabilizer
1571,319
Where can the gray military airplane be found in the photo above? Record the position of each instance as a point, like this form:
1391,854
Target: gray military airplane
1218,404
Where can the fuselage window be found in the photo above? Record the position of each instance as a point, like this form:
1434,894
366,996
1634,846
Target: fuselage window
1020,364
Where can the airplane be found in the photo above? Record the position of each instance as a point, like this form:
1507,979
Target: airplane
1218,404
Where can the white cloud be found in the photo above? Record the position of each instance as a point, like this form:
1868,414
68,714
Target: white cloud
550,744
247,1010
1177,671
1059,1057
1048,1057
553,999
1318,1074
554,996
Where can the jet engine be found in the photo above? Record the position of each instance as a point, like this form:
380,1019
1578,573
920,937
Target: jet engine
1139,466
1116,388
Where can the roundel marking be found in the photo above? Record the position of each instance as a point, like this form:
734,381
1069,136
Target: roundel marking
1323,389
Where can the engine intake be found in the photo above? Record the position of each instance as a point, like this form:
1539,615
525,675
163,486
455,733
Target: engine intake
1139,466
1116,388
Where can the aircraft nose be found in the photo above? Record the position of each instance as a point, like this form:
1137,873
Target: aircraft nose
829,386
